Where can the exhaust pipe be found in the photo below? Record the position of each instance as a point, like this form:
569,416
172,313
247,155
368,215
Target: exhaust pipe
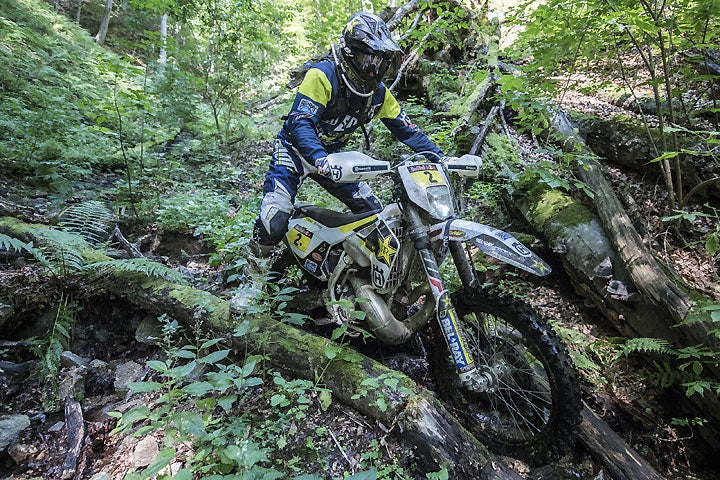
382,322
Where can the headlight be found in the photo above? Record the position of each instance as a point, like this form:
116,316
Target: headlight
439,202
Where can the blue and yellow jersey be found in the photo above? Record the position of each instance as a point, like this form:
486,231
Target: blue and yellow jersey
324,115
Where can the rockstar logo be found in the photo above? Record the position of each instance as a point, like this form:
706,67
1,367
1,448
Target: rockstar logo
385,250
541,266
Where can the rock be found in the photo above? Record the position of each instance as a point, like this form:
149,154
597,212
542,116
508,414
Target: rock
149,331
16,369
58,426
97,364
145,452
126,373
69,359
20,452
73,384
6,311
10,428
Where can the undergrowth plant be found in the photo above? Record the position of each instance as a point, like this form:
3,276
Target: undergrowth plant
240,420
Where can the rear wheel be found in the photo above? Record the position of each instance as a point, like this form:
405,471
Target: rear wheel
526,402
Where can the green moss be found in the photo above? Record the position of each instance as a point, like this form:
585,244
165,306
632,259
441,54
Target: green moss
553,207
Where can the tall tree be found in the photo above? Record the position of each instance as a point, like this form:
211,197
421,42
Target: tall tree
102,32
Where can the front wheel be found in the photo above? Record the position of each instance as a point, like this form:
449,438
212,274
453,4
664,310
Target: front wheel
528,405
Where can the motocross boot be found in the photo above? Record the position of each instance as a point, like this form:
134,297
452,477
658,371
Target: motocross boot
255,276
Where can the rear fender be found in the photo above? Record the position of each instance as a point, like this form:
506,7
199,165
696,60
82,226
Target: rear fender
494,242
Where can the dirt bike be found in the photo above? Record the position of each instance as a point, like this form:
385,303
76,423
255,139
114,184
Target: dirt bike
498,365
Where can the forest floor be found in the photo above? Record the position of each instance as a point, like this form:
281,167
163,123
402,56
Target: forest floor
619,390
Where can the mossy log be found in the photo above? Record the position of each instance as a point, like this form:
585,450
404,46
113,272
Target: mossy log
564,221
661,308
575,230
646,273
629,143
394,400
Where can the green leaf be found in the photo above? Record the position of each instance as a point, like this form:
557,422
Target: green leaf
157,365
325,397
206,404
248,368
137,387
214,357
294,318
198,388
210,343
252,382
183,474
712,244
191,423
161,461
185,354
227,402
242,329
182,371
365,475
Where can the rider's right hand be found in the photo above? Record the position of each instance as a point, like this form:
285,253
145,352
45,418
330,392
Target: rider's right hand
323,166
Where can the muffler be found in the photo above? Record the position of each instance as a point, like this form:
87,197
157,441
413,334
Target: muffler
382,322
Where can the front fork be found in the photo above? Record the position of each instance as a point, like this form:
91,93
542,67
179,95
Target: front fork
446,315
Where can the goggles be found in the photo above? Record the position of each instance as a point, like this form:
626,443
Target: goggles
371,66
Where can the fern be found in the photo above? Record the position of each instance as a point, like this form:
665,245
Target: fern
139,265
645,345
63,250
57,339
93,220
665,375
10,244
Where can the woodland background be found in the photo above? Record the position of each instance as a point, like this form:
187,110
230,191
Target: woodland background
148,124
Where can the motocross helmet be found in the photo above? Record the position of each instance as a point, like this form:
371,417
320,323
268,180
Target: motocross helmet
366,50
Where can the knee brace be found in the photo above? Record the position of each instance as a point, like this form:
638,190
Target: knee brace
271,224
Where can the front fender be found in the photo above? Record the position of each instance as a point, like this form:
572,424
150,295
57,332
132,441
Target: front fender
494,242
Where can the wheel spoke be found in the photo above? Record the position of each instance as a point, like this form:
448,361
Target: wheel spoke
526,400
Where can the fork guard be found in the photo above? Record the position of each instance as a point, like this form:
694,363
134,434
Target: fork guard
496,243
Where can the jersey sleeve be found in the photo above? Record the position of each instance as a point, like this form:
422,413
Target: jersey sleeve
399,123
302,122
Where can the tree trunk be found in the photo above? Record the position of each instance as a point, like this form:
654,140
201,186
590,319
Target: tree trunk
622,462
163,38
661,308
102,32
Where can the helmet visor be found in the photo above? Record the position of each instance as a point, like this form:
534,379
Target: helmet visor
370,66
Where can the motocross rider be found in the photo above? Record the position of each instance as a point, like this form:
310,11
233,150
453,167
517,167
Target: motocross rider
338,95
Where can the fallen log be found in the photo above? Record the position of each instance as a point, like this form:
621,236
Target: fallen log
661,308
614,453
630,144
414,414
646,273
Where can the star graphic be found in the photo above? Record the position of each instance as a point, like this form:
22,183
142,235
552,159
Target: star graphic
541,266
385,250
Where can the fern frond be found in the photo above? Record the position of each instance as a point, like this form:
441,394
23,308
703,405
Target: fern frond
140,265
645,345
57,339
64,250
93,220
10,244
